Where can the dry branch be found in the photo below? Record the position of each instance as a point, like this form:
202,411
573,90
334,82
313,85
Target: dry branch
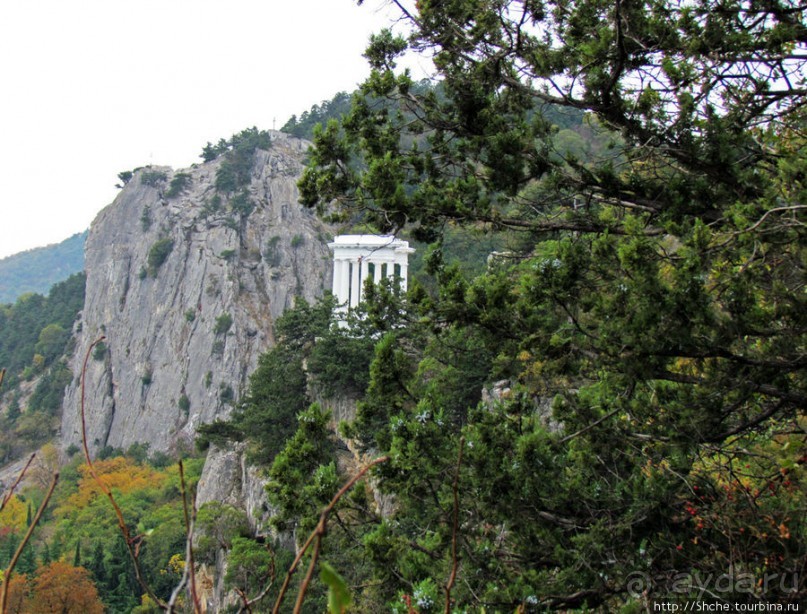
10,493
24,542
127,538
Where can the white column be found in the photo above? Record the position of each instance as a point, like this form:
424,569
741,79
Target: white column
404,267
376,272
355,286
365,272
341,274
337,280
391,270
344,282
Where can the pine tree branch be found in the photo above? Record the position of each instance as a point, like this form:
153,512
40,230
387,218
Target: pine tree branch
454,529
316,539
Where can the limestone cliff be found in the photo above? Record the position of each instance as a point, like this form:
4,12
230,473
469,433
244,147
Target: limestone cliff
186,286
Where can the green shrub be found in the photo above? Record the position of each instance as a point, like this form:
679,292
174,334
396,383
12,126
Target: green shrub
125,177
297,241
184,403
223,324
210,152
247,565
153,178
49,392
179,184
190,315
99,352
218,524
211,206
158,254
236,169
226,393
145,219
272,254
242,204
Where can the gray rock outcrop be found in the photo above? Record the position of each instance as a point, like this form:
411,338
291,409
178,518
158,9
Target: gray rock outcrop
186,287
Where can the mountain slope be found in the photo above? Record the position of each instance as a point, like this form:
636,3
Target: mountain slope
36,270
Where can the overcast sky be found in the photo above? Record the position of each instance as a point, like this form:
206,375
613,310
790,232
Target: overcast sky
94,87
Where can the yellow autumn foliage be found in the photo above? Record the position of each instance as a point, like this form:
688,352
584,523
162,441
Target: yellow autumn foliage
14,514
121,475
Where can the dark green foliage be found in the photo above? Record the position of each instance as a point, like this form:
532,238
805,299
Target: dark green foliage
138,452
278,393
303,126
49,392
210,152
145,219
51,343
223,324
644,333
99,353
152,178
23,323
212,205
109,452
235,171
226,394
125,177
219,525
179,183
303,474
241,204
37,270
158,254
338,362
249,565
272,254
217,433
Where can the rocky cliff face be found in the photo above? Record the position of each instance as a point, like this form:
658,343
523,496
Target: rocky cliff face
186,288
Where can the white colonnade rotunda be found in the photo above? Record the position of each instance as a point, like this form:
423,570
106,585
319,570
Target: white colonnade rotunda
357,258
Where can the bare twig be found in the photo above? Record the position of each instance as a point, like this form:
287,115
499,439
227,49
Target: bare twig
16,483
127,538
245,605
590,426
452,578
316,539
189,520
24,542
